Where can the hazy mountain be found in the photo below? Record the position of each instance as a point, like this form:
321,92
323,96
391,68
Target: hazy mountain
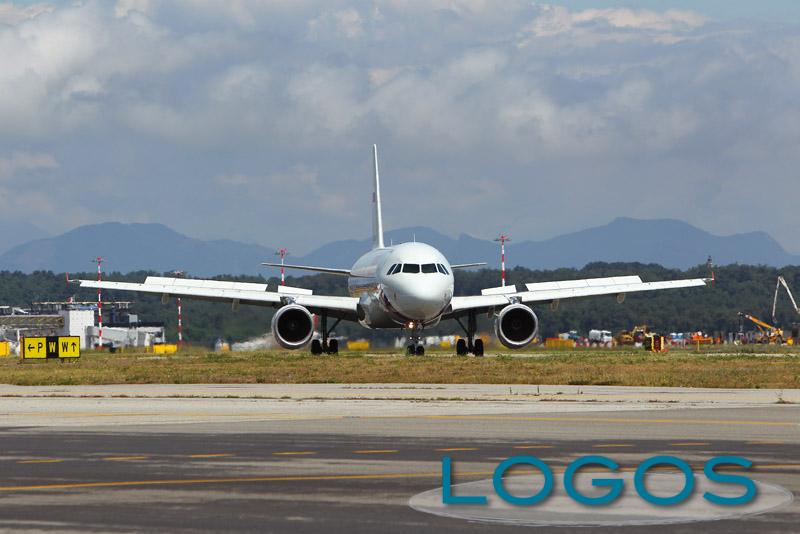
129,247
668,242
13,233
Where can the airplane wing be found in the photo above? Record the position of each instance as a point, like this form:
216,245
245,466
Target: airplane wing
567,289
236,293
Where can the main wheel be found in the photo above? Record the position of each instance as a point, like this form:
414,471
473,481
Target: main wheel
478,347
333,346
316,347
419,350
461,347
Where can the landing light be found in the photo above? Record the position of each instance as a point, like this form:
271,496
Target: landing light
411,324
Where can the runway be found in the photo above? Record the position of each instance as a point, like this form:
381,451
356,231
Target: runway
101,460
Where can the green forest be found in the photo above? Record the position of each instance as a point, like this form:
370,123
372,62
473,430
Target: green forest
737,288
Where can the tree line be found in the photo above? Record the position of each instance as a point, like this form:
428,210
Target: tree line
738,288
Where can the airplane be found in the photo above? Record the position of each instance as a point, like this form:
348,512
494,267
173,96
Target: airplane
409,287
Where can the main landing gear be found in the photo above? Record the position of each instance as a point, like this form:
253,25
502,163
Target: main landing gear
327,346
469,345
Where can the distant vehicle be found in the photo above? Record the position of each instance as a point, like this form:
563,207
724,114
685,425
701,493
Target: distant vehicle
632,337
600,338
701,338
409,286
767,333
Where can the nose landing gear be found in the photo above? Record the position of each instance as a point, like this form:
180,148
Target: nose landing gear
415,348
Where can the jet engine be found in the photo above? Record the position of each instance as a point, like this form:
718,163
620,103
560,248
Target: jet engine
516,325
292,326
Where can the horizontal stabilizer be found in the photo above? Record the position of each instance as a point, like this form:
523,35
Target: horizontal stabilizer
467,265
326,270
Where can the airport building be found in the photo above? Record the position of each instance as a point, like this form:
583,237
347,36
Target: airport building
121,328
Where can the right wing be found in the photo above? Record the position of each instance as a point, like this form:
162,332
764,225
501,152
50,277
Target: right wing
236,293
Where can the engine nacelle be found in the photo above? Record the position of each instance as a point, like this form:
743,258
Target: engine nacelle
292,326
516,325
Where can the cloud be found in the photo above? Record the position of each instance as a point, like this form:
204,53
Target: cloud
12,15
21,162
536,115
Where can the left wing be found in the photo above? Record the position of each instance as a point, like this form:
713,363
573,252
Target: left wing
567,289
236,293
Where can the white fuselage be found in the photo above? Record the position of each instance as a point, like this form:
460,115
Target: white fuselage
408,285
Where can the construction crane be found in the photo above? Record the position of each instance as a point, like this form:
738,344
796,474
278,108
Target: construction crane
795,326
767,333
782,282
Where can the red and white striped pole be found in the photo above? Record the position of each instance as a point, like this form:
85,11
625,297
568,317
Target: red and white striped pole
179,274
502,239
99,261
180,323
282,253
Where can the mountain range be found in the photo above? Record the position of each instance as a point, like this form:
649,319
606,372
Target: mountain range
129,247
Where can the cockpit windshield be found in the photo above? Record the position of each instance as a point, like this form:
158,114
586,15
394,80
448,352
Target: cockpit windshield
416,268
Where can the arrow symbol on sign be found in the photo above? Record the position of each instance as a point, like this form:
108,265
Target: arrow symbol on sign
73,345
30,347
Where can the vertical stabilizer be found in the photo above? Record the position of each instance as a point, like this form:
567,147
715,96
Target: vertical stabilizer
377,220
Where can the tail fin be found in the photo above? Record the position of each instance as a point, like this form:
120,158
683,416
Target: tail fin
377,220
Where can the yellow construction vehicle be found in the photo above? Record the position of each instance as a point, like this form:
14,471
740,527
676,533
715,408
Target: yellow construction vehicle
623,337
767,333
631,337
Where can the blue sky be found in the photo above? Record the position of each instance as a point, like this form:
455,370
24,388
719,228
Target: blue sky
253,120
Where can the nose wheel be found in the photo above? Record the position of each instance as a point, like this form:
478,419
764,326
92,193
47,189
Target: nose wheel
470,345
415,348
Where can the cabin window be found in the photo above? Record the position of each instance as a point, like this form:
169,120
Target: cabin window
411,267
391,269
428,268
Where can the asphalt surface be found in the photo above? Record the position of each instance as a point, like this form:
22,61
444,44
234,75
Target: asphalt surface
354,473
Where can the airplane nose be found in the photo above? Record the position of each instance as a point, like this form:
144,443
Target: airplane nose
420,301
